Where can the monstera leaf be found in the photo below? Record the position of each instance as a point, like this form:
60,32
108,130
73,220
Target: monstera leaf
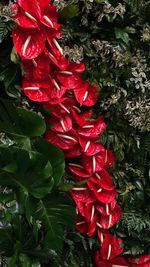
20,122
56,213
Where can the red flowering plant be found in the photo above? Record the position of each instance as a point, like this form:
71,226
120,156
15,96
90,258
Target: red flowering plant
49,78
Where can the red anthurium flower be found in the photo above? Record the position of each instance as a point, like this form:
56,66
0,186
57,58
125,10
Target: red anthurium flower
74,152
90,211
93,128
69,79
36,91
24,19
32,13
81,225
101,194
75,67
94,163
82,196
117,262
90,148
61,62
111,247
37,69
99,262
55,48
29,43
79,170
106,209
85,227
92,227
61,107
146,264
49,17
63,124
80,118
142,261
108,221
62,140
109,158
86,94
31,6
105,181
56,53
44,3
90,217
57,91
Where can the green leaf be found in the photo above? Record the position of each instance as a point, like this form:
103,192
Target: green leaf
20,122
55,212
54,155
122,35
31,171
26,261
69,11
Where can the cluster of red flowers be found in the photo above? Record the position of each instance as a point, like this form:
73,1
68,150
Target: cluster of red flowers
51,79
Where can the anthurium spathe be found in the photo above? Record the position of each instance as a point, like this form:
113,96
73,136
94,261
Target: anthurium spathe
142,261
82,226
86,94
82,196
93,128
62,125
79,170
90,148
80,118
111,247
74,152
37,69
70,77
105,181
37,91
29,43
95,163
109,220
57,91
101,194
33,12
64,141
116,262
60,107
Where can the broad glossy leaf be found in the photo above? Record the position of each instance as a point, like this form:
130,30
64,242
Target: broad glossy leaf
54,155
32,172
56,213
20,121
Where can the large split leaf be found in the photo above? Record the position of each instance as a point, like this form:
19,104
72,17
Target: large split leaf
56,213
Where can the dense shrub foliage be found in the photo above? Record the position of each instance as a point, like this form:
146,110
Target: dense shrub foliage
113,40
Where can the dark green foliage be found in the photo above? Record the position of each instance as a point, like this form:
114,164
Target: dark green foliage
34,215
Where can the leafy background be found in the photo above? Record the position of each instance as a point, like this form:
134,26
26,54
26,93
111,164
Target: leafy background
113,39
